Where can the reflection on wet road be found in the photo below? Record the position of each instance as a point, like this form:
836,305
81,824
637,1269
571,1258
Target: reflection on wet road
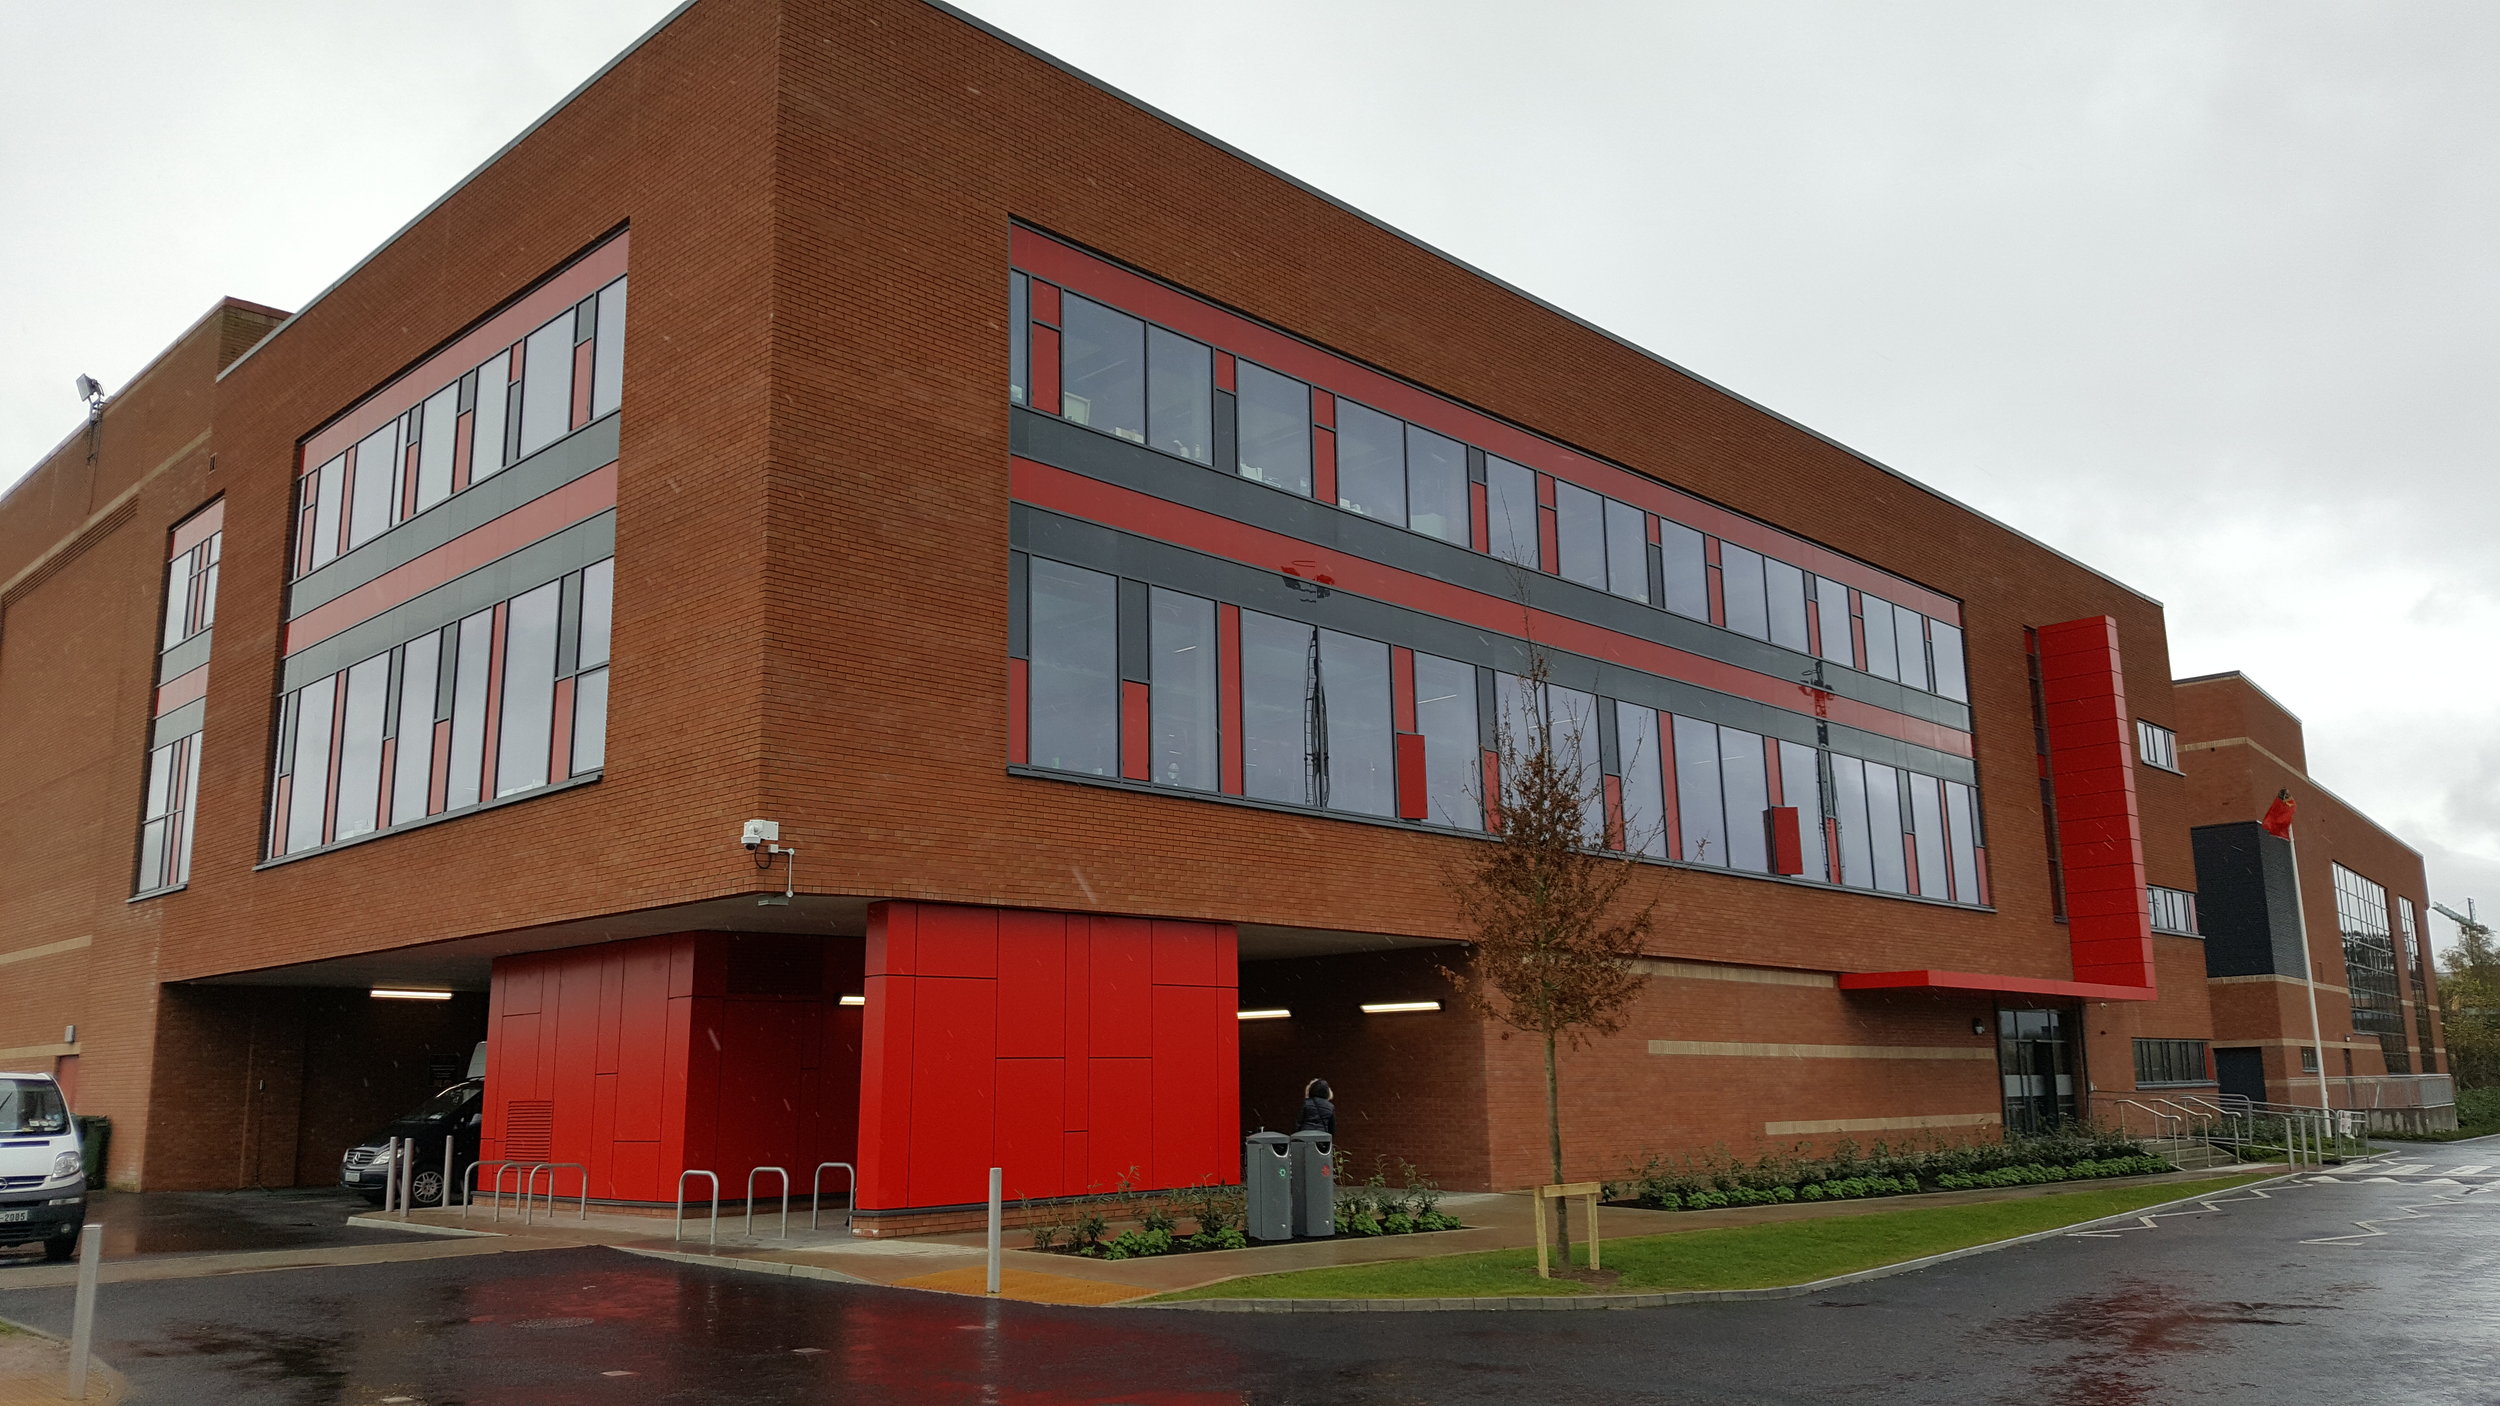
2221,1308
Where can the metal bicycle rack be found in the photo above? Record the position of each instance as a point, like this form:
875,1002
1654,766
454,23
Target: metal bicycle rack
679,1233
468,1181
816,1192
551,1168
785,1200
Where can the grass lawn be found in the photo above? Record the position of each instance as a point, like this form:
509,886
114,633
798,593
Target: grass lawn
1736,1257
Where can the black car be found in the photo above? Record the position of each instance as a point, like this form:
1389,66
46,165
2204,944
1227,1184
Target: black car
43,1180
454,1115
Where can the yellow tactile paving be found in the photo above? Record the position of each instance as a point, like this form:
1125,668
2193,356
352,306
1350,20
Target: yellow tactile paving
1024,1284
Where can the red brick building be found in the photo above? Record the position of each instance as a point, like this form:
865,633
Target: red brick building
1107,561
2344,1010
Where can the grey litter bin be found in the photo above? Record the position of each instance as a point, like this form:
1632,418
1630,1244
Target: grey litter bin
1314,1183
1267,1186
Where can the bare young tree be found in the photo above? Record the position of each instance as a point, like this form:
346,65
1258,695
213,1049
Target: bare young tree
1554,940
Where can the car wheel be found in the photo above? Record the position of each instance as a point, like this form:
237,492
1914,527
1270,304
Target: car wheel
61,1248
428,1190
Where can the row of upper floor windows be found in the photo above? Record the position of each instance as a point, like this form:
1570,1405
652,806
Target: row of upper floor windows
1119,374
1222,699
509,699
522,398
191,590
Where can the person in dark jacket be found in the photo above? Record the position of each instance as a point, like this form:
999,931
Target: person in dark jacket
1319,1114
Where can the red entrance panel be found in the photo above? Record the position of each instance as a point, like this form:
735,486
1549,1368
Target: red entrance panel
1068,1049
2092,772
640,1059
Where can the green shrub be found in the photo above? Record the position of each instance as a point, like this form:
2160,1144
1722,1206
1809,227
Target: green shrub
1397,1223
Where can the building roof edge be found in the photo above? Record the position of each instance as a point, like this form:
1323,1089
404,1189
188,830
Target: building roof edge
1515,290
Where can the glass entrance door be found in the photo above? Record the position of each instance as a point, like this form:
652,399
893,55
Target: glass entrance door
2036,1059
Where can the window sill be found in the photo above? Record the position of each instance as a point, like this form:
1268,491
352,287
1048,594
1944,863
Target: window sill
463,813
2156,766
1148,788
2167,932
147,894
2182,1084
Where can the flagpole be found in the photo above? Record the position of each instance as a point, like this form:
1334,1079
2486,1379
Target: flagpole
2308,967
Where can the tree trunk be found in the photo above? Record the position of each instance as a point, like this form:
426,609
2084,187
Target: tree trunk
1553,1141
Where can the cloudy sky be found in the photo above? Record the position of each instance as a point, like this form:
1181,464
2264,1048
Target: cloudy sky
2204,294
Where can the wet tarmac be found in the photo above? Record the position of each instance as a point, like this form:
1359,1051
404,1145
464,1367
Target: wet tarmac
210,1222
2280,1300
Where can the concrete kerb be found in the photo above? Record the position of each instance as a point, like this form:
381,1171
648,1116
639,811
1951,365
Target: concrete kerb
419,1227
42,1387
782,1268
1666,1300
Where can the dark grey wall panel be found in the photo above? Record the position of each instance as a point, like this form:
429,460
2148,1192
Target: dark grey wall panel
2245,902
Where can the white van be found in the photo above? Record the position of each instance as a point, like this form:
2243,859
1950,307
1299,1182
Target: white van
43,1182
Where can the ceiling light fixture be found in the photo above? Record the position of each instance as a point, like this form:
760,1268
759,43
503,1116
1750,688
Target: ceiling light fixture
855,1000
403,993
1267,1013
1393,1007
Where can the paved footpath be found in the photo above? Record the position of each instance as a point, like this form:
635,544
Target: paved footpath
2369,1284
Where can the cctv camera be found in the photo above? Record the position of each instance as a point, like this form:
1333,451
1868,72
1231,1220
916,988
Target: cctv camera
760,832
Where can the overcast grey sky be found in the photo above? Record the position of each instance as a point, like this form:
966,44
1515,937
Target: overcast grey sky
2203,294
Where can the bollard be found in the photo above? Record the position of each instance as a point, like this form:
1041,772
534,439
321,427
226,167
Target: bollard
82,1320
445,1202
998,1176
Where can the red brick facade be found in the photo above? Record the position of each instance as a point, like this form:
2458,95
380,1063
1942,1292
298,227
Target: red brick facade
811,623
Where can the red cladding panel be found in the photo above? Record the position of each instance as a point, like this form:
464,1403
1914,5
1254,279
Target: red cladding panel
1228,695
1402,688
1123,973
1788,855
1324,465
1414,794
1479,519
1548,536
1045,365
957,941
954,1089
1136,745
1186,954
1032,994
1323,408
1031,1145
2092,772
1119,1138
1193,1132
1224,371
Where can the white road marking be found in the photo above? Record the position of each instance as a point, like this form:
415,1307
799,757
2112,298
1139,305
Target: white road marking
2146,1222
2469,1171
2408,1168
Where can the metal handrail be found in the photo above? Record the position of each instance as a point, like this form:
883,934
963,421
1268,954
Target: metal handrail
551,1168
816,1192
2159,1117
679,1232
785,1200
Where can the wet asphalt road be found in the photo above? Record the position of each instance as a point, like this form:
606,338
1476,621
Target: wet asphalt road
2227,1307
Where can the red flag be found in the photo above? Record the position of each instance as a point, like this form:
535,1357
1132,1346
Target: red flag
2278,821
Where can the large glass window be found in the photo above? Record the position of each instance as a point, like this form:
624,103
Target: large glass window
1102,360
1019,336
165,824
529,682
1831,607
1627,551
2409,938
1275,428
473,663
2174,910
1945,641
1700,810
1580,534
1740,576
1744,780
1910,642
1883,658
1279,682
607,359
1857,852
1180,396
1566,719
1436,485
1445,712
1510,511
547,385
490,434
1884,830
590,721
439,437
1183,711
598,607
1927,826
377,486
1075,681
2162,1062
1644,788
1371,463
2156,746
308,807
1360,770
360,748
1801,786
2370,965
1687,570
1786,587
412,783
1962,814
